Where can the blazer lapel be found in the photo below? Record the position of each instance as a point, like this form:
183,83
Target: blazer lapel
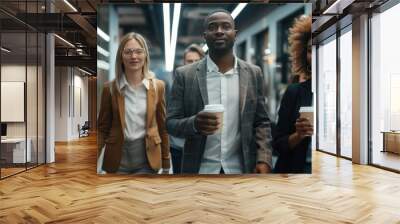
150,102
243,84
121,105
202,80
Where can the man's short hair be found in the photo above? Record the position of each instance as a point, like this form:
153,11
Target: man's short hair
216,11
194,48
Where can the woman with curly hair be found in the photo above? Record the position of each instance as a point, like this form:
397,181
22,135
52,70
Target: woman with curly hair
292,138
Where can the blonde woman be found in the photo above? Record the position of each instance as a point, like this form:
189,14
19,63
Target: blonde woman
292,138
131,122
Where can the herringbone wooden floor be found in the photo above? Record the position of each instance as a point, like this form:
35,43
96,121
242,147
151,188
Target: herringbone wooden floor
69,191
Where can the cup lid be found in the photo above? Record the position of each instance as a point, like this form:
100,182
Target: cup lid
306,109
214,107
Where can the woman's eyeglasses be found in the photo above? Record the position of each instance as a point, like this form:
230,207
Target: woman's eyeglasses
130,51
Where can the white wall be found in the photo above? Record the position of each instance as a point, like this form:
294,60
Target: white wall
61,103
80,83
69,85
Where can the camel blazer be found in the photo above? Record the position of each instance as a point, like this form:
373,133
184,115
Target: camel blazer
111,125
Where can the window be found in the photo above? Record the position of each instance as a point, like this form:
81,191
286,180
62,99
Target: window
22,69
346,93
385,88
327,96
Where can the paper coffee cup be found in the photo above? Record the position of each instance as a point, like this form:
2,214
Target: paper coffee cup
217,109
307,112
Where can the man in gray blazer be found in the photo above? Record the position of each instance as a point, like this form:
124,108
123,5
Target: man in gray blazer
244,143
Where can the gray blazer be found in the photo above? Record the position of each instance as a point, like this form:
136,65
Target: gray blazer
188,97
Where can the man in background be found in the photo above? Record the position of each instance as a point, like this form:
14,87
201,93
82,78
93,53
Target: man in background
192,54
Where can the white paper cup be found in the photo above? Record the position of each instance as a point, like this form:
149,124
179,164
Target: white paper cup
307,112
217,109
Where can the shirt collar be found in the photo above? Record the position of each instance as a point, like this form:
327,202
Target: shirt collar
212,67
123,82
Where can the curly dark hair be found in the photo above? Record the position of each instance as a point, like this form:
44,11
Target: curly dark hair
300,34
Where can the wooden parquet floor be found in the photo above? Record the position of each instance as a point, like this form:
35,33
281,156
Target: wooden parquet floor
69,191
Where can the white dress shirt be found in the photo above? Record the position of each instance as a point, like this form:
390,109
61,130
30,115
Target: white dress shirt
223,150
135,108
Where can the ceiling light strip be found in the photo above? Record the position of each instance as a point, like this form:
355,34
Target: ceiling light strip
103,35
70,5
64,40
175,25
167,34
5,50
84,71
336,5
103,65
238,9
102,51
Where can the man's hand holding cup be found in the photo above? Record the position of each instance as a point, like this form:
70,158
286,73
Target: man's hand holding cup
209,120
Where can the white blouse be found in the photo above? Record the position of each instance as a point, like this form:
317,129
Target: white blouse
135,108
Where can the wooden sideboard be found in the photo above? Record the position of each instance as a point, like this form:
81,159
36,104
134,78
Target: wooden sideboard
391,141
13,151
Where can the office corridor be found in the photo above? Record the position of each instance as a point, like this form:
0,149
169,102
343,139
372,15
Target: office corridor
70,191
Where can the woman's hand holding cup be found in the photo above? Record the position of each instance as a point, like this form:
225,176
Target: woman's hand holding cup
305,124
304,127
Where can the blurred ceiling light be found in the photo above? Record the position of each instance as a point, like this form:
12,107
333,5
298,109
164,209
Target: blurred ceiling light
103,35
103,65
175,25
238,9
5,49
167,35
267,51
64,40
234,14
79,51
71,6
84,71
102,51
333,8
